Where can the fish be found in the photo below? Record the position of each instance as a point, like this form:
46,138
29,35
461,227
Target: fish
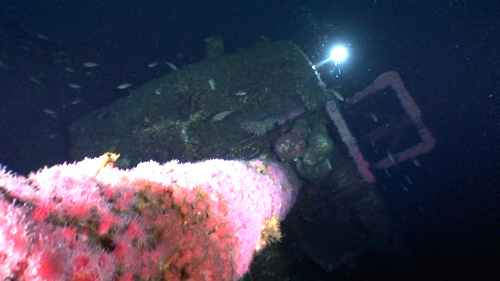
70,69
107,159
91,64
76,101
74,86
41,36
153,64
387,173
172,66
408,179
212,84
240,93
338,95
416,162
50,112
391,157
124,86
221,115
34,79
374,117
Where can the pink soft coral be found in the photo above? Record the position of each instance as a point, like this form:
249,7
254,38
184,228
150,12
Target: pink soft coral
196,221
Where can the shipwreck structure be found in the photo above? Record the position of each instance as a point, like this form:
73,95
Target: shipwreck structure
264,102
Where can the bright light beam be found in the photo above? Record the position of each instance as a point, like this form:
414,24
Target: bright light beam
338,54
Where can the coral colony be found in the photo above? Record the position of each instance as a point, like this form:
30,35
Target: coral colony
91,221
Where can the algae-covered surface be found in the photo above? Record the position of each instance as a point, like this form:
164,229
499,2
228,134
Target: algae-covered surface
229,107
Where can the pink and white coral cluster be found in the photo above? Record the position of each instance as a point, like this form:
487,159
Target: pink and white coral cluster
194,221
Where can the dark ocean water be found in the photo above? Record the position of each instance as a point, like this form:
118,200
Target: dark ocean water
447,53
